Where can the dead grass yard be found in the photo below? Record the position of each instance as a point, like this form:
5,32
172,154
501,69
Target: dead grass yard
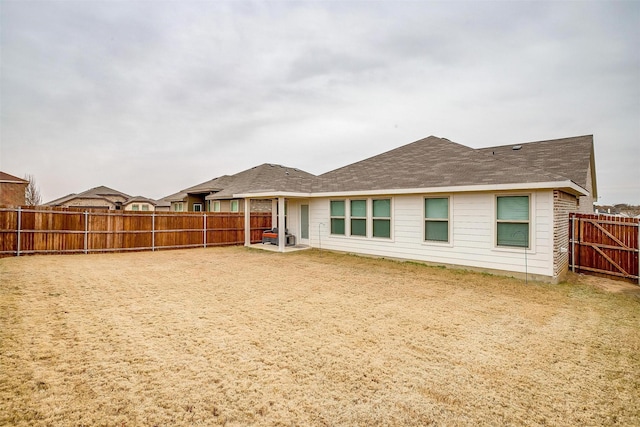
235,336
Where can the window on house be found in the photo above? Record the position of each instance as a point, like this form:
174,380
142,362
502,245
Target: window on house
197,207
235,206
337,217
436,219
512,221
178,207
135,207
358,217
145,207
216,206
382,218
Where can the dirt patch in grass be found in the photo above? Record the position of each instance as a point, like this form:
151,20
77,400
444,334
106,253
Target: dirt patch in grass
234,336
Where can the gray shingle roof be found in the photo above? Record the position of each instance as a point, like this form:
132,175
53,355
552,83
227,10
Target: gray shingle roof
140,199
264,178
567,157
93,193
435,162
431,162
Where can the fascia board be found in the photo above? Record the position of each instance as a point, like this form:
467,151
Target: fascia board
270,195
566,185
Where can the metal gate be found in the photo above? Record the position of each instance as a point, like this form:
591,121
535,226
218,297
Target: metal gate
604,245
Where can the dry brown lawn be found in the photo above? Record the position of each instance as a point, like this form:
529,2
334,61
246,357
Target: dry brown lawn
237,336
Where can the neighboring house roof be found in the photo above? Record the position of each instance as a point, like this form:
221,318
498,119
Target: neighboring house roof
264,178
94,193
140,199
176,197
213,185
430,163
163,203
5,177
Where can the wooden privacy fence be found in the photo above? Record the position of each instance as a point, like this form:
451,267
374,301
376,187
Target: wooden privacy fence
66,230
606,245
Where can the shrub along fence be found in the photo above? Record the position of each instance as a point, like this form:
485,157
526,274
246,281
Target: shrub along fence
43,230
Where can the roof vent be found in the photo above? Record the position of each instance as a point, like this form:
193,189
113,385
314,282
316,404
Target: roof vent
516,147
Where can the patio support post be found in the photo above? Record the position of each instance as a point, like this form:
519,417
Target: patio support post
247,222
281,229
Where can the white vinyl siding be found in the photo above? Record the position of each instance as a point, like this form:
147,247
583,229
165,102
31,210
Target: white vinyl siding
472,231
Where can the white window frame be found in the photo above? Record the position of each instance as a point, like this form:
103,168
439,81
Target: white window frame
197,207
343,217
178,207
215,205
237,205
531,249
367,209
135,207
369,218
390,218
449,242
145,207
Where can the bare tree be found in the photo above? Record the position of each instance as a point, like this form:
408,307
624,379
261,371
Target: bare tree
32,192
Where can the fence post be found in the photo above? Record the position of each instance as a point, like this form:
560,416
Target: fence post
18,230
204,229
86,232
573,243
153,232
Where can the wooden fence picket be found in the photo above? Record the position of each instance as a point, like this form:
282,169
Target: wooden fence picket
45,230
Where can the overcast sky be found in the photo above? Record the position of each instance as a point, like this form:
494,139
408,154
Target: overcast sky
150,97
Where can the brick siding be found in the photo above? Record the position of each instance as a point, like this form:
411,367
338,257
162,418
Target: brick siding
12,194
563,204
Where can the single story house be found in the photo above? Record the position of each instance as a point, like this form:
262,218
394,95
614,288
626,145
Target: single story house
12,190
500,209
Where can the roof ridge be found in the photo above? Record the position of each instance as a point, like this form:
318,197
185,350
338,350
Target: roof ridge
405,146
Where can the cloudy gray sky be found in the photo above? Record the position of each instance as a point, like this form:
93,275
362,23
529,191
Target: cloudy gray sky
150,97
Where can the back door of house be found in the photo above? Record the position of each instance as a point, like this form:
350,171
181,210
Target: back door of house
304,224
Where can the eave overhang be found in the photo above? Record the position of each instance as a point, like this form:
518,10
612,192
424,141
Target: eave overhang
566,186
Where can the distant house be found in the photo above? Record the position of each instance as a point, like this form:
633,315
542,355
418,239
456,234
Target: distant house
12,190
104,198
502,209
139,203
